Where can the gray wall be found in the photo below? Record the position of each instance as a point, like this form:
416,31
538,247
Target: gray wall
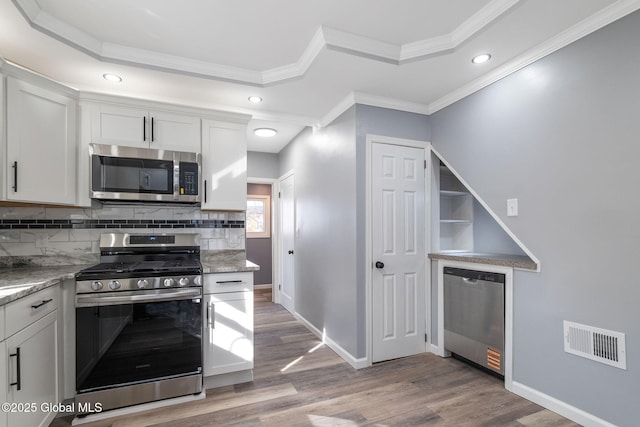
325,243
561,135
488,236
262,165
329,166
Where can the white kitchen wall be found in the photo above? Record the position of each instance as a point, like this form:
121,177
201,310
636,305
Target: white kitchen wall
71,235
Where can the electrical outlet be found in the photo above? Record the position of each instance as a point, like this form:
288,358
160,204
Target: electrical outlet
512,207
42,240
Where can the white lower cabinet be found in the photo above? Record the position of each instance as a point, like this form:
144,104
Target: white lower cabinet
3,370
30,356
228,329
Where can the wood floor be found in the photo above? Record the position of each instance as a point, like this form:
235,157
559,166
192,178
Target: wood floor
300,382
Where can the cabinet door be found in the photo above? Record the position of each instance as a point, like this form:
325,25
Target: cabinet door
41,145
4,384
228,333
120,126
224,166
175,132
37,346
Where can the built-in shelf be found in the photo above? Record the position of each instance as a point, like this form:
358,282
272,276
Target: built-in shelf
451,193
456,213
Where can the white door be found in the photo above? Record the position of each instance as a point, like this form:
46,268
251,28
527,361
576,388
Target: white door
398,250
286,287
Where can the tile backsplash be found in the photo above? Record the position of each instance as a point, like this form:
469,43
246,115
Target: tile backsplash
74,233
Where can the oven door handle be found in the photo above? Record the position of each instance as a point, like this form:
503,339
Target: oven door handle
92,300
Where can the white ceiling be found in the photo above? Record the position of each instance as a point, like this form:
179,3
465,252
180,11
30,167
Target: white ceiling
308,60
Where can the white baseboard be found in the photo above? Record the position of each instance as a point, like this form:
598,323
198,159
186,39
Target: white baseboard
440,351
571,412
344,354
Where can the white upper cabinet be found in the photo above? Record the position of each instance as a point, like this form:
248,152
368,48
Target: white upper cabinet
224,165
140,127
41,146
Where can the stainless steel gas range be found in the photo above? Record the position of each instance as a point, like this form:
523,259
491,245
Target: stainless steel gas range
139,321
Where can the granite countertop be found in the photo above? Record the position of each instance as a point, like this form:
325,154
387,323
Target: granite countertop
209,266
522,262
19,282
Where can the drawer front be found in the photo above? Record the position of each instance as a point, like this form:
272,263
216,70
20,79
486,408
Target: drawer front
228,282
21,313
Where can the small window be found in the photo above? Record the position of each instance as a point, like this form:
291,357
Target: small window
258,216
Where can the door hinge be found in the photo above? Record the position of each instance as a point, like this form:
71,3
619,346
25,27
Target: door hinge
279,195
425,163
280,286
426,338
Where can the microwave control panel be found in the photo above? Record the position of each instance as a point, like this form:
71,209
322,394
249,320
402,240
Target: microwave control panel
188,179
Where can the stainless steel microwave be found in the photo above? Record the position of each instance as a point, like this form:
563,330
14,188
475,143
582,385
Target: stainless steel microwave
120,173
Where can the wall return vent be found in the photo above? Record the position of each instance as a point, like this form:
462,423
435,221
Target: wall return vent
596,344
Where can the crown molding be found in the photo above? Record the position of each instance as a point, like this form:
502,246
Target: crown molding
604,17
324,38
391,103
342,106
448,42
374,101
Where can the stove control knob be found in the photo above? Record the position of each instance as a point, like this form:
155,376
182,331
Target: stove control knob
168,283
114,284
96,286
184,281
142,283
197,281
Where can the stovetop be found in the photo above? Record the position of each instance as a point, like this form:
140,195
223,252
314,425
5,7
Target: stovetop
117,270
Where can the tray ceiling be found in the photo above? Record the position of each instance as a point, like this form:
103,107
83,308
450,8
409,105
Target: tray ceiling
307,60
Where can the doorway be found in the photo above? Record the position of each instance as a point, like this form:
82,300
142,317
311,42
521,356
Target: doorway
397,245
285,293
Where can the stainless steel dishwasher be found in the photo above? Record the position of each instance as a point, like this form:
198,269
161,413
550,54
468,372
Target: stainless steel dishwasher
474,316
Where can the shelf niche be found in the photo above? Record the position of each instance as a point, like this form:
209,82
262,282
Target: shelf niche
460,222
456,213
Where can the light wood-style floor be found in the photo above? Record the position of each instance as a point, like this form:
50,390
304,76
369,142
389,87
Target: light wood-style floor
300,382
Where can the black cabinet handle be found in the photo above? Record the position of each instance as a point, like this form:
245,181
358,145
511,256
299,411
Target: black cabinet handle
228,281
152,132
15,176
205,191
144,128
379,264
290,252
44,301
17,356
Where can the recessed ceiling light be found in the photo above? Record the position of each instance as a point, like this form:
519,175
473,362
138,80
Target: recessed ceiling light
255,99
112,77
480,59
265,132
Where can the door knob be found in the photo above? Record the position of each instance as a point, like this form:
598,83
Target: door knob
290,252
379,264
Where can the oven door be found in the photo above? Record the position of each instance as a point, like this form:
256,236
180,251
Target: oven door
123,342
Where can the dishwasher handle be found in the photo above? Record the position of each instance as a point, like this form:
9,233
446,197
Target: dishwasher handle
470,276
